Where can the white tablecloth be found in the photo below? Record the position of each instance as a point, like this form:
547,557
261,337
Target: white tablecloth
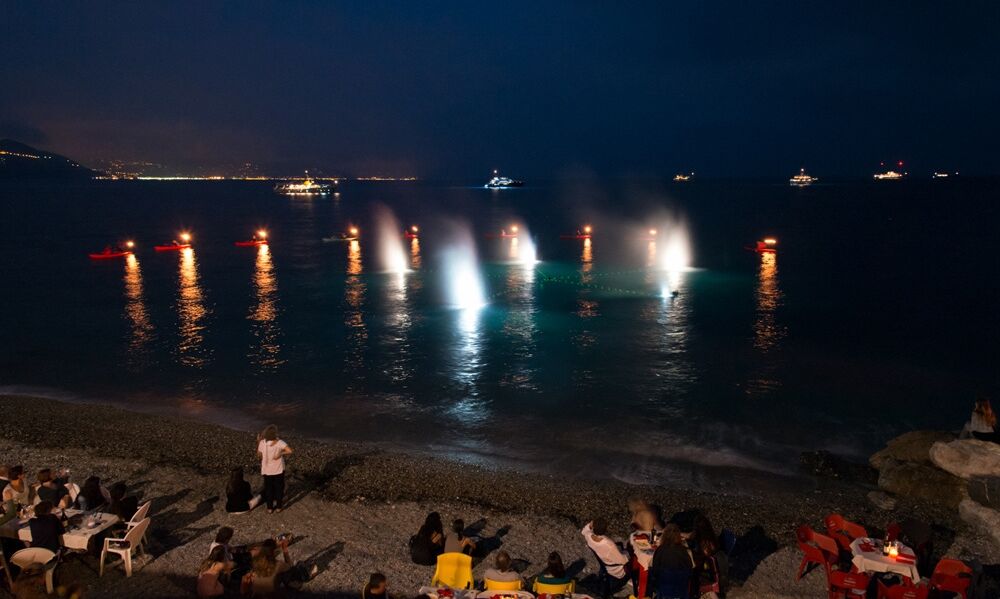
511,594
76,537
874,561
458,594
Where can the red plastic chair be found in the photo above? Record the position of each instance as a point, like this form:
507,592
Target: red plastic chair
952,576
843,531
848,584
817,550
903,591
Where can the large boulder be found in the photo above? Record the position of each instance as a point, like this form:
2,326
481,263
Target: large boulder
910,447
967,457
921,481
980,517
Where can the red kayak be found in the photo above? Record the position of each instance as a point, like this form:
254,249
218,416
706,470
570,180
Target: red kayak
579,236
172,247
501,236
108,255
408,235
765,246
251,243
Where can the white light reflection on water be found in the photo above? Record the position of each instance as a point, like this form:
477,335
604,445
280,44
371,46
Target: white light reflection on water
141,330
264,314
191,312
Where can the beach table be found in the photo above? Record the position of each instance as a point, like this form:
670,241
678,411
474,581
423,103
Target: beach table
76,537
505,595
642,550
868,558
433,593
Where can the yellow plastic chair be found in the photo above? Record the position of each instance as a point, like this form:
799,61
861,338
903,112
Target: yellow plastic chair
540,588
454,570
506,585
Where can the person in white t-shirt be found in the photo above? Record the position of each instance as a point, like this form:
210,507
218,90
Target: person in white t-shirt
615,562
272,452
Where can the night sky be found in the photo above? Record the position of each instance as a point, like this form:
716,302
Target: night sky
538,89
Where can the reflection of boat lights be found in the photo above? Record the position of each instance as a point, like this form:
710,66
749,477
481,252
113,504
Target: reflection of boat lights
354,258
414,253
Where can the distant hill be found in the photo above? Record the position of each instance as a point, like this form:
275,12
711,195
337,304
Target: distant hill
21,161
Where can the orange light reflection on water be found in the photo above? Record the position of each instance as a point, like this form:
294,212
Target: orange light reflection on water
191,312
135,307
415,253
264,314
767,332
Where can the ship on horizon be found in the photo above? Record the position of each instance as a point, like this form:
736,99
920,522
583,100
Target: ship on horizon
306,186
891,175
681,177
802,179
498,182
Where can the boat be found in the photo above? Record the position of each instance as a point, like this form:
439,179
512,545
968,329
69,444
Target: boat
498,182
580,234
111,253
175,245
650,235
350,235
768,245
888,176
306,186
411,233
938,175
259,238
802,179
504,234
681,177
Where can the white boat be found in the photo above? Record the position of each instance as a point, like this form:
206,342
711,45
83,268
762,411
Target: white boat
498,182
306,186
802,179
681,177
889,176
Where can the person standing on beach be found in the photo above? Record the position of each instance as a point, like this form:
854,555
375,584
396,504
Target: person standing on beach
272,452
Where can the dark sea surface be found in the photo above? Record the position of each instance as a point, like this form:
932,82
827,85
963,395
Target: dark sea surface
877,315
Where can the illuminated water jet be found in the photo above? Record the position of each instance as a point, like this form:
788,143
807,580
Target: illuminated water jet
462,278
392,253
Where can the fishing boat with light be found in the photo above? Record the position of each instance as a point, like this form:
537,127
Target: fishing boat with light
651,235
259,238
504,233
498,182
681,177
306,186
768,245
352,234
583,233
802,179
173,246
412,233
111,253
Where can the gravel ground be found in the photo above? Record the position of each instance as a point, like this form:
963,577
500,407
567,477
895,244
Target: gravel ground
354,507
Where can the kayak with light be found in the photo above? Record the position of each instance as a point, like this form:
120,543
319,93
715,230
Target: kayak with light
765,246
251,243
109,255
172,247
575,236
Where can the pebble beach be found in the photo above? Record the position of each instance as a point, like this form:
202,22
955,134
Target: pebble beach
351,508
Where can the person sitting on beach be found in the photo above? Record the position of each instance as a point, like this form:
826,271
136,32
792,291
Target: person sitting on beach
501,570
983,422
4,477
428,543
122,504
272,452
672,565
555,571
268,574
92,495
210,573
52,489
18,490
615,562
46,528
457,542
377,587
240,555
239,497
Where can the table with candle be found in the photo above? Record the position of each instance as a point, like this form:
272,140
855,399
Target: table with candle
873,556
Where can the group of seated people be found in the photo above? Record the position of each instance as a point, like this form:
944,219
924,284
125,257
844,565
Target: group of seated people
688,558
251,570
56,489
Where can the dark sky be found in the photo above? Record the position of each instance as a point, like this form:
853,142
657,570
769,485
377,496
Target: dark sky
538,89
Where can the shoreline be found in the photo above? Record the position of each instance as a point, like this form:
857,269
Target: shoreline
381,495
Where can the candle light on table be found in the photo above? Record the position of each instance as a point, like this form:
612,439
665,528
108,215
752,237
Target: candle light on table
893,550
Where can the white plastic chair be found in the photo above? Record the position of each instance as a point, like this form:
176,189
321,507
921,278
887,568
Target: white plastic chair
131,542
37,555
74,491
140,514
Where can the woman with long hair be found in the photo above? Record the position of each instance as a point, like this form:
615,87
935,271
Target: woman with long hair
92,494
267,574
555,571
210,572
239,498
428,543
272,452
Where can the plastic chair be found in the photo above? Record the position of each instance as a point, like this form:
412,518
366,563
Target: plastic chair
843,531
74,491
817,550
503,585
540,588
715,586
848,584
454,570
902,591
140,514
952,576
673,584
6,571
124,547
37,555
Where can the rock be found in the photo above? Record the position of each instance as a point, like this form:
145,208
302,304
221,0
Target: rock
985,490
967,457
980,517
920,481
882,500
910,447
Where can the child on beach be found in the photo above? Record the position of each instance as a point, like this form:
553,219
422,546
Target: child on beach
272,452
377,587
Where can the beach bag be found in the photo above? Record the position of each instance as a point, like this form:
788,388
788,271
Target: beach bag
246,585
